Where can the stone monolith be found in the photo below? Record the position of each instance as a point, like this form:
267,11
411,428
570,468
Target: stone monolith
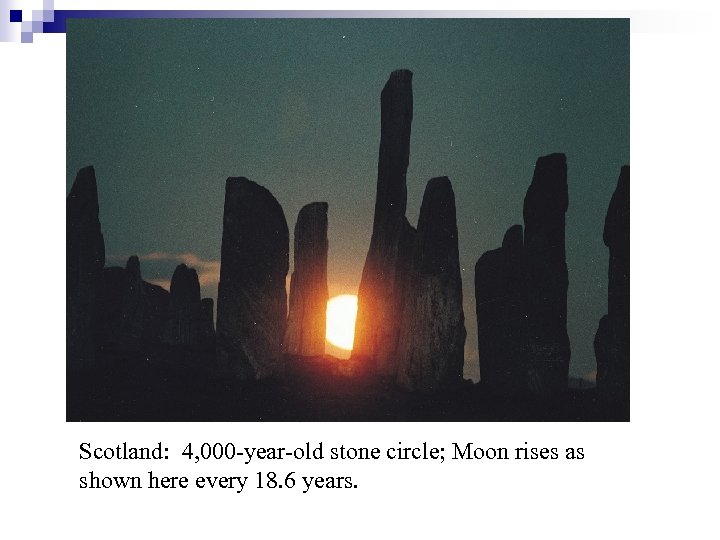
252,301
305,334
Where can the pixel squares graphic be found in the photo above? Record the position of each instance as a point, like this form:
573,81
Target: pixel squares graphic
20,22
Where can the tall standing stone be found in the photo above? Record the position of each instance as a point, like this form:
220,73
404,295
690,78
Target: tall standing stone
500,314
381,290
616,236
252,301
85,253
612,341
432,330
207,323
185,312
305,335
546,276
133,302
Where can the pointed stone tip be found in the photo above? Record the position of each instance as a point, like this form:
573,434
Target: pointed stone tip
240,185
133,263
234,181
624,175
399,79
438,186
556,159
481,261
440,181
551,170
486,260
84,182
513,236
438,197
547,195
315,207
401,75
616,232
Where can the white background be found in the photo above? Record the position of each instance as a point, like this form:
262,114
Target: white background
654,477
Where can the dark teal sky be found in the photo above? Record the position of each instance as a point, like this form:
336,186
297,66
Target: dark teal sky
166,110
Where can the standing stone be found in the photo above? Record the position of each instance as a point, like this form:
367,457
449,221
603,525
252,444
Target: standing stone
500,314
133,315
184,321
305,335
616,236
207,324
111,337
121,318
382,285
546,276
133,302
85,253
612,341
252,301
432,331
156,308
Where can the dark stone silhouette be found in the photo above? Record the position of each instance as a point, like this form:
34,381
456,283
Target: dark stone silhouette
381,290
521,294
432,331
156,308
546,277
305,334
133,313
112,294
252,302
616,236
156,355
133,317
501,315
207,324
184,323
612,341
85,251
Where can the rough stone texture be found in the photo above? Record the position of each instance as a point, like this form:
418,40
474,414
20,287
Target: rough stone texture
546,277
207,323
252,302
305,335
432,331
381,290
184,322
85,252
500,314
612,341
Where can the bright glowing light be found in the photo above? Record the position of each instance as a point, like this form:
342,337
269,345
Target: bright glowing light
340,327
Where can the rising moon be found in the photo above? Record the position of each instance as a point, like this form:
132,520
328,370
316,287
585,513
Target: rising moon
340,327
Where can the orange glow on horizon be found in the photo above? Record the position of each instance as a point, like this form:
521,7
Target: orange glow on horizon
340,325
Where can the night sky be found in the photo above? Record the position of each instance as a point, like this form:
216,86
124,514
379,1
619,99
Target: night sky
167,110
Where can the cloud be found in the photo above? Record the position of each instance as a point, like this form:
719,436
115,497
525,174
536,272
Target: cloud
162,264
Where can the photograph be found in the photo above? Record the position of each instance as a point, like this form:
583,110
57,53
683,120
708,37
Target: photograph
347,219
